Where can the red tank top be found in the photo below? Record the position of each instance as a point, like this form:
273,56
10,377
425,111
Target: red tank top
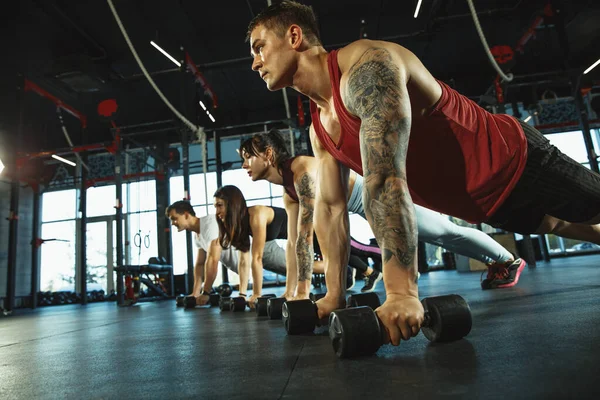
457,133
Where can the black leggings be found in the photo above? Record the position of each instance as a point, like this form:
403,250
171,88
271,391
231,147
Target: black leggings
551,184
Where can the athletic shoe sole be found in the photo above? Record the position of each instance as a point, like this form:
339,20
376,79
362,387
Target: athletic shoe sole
379,277
518,274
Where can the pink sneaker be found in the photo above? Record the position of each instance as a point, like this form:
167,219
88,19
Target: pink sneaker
503,275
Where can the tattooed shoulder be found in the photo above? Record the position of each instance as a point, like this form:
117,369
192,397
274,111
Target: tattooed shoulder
374,78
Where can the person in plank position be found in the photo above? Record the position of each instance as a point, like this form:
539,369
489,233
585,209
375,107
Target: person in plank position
377,110
265,156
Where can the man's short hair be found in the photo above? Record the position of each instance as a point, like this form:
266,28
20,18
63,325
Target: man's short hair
278,17
180,207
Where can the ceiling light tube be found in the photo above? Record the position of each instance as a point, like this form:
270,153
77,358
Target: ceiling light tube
203,106
594,65
59,158
418,8
527,119
165,53
211,117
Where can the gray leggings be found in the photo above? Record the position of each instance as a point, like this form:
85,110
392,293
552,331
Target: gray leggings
437,229
273,258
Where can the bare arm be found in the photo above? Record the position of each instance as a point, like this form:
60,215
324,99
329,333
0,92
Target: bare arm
199,272
331,221
211,266
244,270
291,279
258,224
376,92
305,184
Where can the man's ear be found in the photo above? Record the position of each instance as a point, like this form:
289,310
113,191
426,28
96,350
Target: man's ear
296,36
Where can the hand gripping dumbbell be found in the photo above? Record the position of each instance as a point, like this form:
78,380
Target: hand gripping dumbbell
260,305
240,303
190,301
301,316
275,305
359,332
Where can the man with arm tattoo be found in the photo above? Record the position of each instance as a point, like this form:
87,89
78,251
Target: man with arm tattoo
266,157
377,110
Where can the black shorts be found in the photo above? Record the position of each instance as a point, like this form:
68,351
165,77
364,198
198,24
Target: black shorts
551,184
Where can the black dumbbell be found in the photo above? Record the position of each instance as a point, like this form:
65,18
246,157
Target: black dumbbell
225,303
180,300
260,305
274,306
358,331
190,302
224,290
301,316
238,303
214,299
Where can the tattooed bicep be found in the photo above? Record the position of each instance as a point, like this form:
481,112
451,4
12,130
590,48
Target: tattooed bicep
373,84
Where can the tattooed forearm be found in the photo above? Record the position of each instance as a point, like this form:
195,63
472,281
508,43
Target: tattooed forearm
306,197
305,257
375,94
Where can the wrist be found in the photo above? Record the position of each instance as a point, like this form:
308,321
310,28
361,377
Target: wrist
205,293
400,283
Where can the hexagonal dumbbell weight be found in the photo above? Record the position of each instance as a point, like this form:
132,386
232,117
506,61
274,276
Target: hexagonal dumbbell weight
260,305
302,316
224,290
358,331
190,302
275,305
225,303
214,299
238,303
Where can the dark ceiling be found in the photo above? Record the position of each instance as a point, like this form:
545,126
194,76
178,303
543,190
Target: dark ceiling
75,51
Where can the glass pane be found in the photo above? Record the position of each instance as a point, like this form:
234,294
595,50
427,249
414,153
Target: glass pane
59,205
179,251
570,143
57,259
97,255
197,191
555,244
277,202
573,246
102,200
175,189
142,238
196,188
263,202
251,190
142,196
276,190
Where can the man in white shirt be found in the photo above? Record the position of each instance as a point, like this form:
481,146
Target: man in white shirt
206,233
